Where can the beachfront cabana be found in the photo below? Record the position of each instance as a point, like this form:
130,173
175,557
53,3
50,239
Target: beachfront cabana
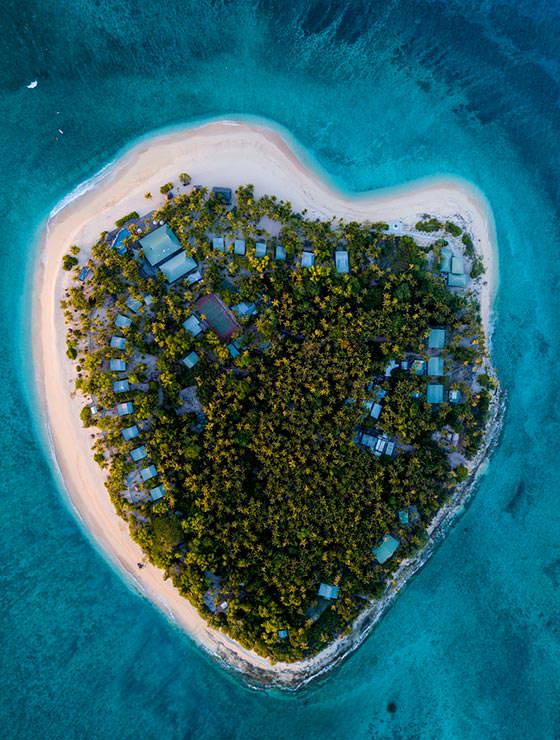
130,432
279,253
117,366
190,360
193,325
328,592
436,367
148,472
385,549
260,249
244,309
436,339
434,393
239,247
419,367
122,321
218,244
457,281
117,342
194,277
138,453
177,267
133,303
307,259
218,315
445,259
159,245
121,386
457,265
341,261
124,409
157,492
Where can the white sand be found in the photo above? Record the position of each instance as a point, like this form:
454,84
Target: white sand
229,154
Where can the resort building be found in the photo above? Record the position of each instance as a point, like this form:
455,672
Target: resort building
435,367
244,309
190,360
117,366
328,592
123,409
260,250
434,393
117,342
307,259
218,244
436,339
193,325
159,245
233,349
445,260
455,396
122,322
282,634
130,432
419,367
341,261
194,277
280,253
385,549
133,303
157,493
149,472
217,315
121,386
376,410
177,267
456,277
138,453
239,247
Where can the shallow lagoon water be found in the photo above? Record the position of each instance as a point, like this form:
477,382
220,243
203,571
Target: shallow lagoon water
378,93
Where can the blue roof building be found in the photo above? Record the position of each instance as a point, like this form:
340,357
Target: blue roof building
328,592
282,634
117,342
233,349
239,247
190,360
436,340
177,267
436,367
341,261
434,393
120,386
130,432
133,303
157,492
138,453
123,409
457,265
149,472
376,410
218,244
244,309
117,366
193,325
159,245
455,396
122,322
457,281
280,253
194,277
260,249
419,367
385,549
307,259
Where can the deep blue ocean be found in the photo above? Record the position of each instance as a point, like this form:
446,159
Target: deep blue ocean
379,92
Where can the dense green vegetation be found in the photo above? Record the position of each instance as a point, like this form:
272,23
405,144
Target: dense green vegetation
129,217
267,492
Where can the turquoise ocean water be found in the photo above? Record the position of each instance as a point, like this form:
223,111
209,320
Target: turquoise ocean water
379,92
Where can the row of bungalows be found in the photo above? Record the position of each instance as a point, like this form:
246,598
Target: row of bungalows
163,250
453,267
261,250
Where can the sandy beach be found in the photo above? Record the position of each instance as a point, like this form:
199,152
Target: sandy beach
227,153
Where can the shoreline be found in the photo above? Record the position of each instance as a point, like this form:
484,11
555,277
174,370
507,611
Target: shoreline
227,153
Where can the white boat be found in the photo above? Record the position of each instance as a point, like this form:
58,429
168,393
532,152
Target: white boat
32,85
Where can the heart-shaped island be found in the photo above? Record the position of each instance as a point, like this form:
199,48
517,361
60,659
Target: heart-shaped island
284,406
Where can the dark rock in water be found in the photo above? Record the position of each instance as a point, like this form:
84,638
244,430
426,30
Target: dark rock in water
518,504
391,707
552,570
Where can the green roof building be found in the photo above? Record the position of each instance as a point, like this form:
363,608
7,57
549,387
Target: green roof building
385,549
177,267
159,245
445,261
457,281
436,340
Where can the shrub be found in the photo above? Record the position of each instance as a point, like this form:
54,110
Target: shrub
469,246
185,178
166,188
431,224
453,229
477,268
68,262
129,216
